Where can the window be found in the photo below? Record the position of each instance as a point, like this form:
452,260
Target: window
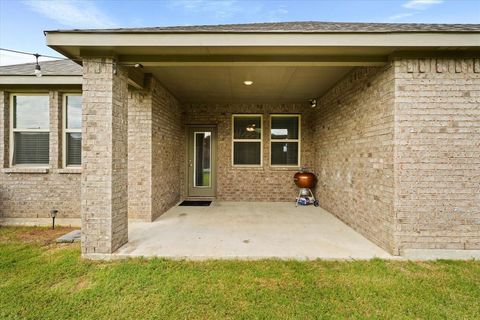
285,140
72,122
247,140
30,130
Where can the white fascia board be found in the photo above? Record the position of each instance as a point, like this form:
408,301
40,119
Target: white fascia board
413,40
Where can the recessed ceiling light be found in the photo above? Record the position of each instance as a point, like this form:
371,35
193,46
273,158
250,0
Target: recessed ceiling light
248,82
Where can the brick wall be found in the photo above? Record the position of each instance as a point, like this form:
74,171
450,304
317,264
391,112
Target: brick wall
156,146
34,194
396,150
437,159
168,148
155,142
354,152
140,155
252,184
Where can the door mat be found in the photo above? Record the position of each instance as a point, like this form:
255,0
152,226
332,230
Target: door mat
195,203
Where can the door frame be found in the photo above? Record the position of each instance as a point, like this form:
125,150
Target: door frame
213,163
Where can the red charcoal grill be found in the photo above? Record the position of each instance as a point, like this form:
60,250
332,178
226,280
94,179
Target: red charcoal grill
305,181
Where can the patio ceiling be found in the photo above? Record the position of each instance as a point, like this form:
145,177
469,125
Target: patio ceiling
225,84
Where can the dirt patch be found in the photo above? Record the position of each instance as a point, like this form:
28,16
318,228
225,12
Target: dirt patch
38,235
83,283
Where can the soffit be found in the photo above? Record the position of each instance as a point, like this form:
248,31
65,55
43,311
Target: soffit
225,84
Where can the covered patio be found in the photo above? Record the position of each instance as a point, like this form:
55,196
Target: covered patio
233,123
241,230
231,113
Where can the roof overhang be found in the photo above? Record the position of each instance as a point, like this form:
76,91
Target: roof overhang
184,61
249,49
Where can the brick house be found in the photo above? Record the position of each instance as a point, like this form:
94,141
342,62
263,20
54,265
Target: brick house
386,115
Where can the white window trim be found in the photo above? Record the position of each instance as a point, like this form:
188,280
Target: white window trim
247,140
65,130
298,140
13,130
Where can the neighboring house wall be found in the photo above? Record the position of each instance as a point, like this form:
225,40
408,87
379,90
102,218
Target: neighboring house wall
253,184
32,193
354,152
437,167
156,147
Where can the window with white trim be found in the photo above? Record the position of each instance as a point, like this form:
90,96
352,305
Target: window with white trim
30,129
247,140
72,128
285,140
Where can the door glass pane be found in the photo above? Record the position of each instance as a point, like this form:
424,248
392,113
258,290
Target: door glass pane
202,152
74,112
246,153
31,112
284,127
247,127
285,153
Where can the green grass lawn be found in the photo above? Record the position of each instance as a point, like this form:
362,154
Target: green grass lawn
43,280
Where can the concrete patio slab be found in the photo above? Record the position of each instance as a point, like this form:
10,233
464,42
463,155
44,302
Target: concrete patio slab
71,237
248,231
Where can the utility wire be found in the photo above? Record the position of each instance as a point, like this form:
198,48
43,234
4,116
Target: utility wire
59,58
33,54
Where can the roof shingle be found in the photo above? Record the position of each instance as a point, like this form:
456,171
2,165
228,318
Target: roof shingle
295,27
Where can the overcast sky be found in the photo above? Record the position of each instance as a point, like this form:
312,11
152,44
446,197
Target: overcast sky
22,22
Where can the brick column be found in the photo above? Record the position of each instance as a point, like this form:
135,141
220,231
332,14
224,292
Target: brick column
56,146
104,157
4,128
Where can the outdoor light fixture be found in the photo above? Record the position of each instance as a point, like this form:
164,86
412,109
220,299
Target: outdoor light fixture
53,214
38,70
313,103
248,82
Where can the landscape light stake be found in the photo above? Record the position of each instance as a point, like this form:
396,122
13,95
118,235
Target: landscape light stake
53,214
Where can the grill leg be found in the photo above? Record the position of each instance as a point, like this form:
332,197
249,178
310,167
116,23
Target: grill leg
298,198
